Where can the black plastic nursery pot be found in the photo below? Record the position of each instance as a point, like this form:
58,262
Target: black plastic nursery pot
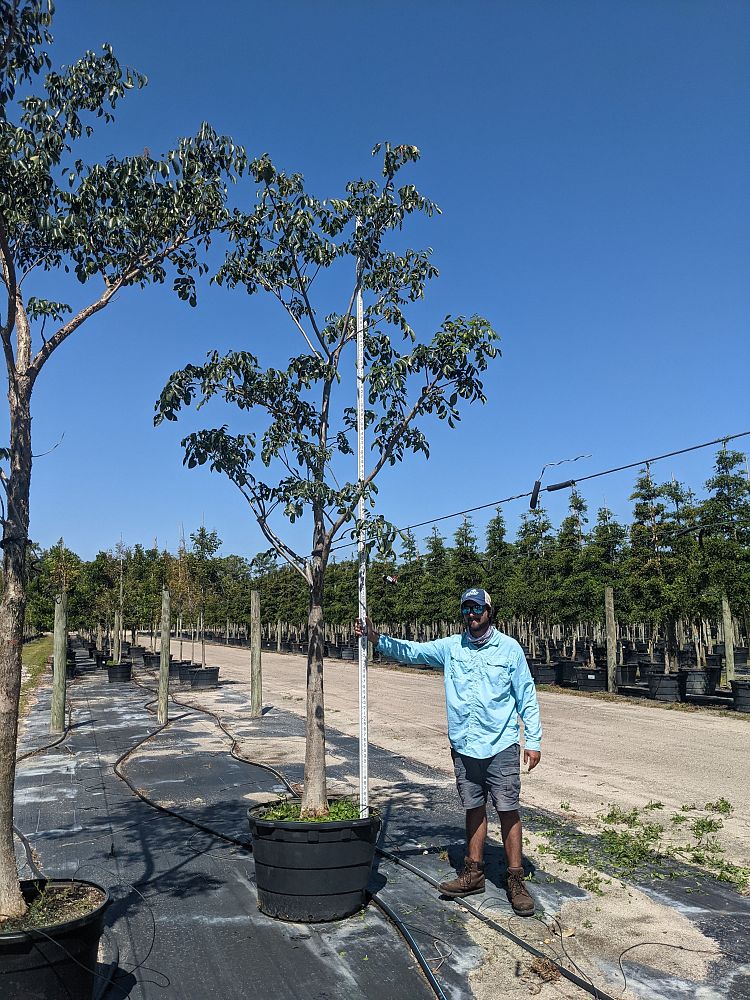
565,672
185,666
49,963
312,872
664,687
741,692
697,682
544,673
204,677
626,674
591,679
120,673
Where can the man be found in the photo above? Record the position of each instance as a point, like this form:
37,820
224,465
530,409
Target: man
487,687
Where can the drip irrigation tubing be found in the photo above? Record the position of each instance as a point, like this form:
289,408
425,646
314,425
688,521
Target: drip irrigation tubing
589,988
117,768
48,746
416,950
29,851
594,991
520,942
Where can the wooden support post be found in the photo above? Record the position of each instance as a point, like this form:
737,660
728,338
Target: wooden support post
163,709
116,646
609,611
60,651
726,615
256,676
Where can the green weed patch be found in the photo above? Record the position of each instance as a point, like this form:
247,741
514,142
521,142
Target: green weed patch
627,843
34,656
341,809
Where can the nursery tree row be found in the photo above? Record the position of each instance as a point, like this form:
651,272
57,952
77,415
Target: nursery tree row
674,560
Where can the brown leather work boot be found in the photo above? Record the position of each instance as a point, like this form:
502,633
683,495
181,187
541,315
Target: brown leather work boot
518,895
470,880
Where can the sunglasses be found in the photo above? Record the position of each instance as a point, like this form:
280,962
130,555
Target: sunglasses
473,609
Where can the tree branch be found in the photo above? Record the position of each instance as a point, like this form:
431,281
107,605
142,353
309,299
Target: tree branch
385,455
72,325
295,265
288,555
111,287
295,320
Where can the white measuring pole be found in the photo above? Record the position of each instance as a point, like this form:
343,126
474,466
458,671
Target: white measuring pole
364,800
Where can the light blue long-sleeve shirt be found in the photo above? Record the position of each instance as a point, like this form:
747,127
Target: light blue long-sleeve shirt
486,688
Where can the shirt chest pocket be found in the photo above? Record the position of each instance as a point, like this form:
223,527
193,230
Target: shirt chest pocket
496,681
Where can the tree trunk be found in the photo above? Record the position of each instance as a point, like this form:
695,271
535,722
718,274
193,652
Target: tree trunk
163,695
726,617
256,676
671,646
314,797
12,611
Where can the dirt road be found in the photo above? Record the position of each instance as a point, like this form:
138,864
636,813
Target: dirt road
594,752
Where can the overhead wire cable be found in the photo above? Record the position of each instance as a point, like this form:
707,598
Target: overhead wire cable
553,487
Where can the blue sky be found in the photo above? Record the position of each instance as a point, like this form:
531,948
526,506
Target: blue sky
591,163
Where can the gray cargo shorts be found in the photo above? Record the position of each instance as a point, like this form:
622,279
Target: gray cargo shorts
499,775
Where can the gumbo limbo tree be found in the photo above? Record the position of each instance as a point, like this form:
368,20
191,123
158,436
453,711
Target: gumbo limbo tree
290,457
93,230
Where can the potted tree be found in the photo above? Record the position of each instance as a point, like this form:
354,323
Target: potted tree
103,228
290,459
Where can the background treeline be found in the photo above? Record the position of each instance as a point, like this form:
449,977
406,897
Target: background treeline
661,566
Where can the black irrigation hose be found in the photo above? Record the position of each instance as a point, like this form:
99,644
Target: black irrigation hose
230,736
33,868
116,767
48,746
407,936
589,987
571,976
576,980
